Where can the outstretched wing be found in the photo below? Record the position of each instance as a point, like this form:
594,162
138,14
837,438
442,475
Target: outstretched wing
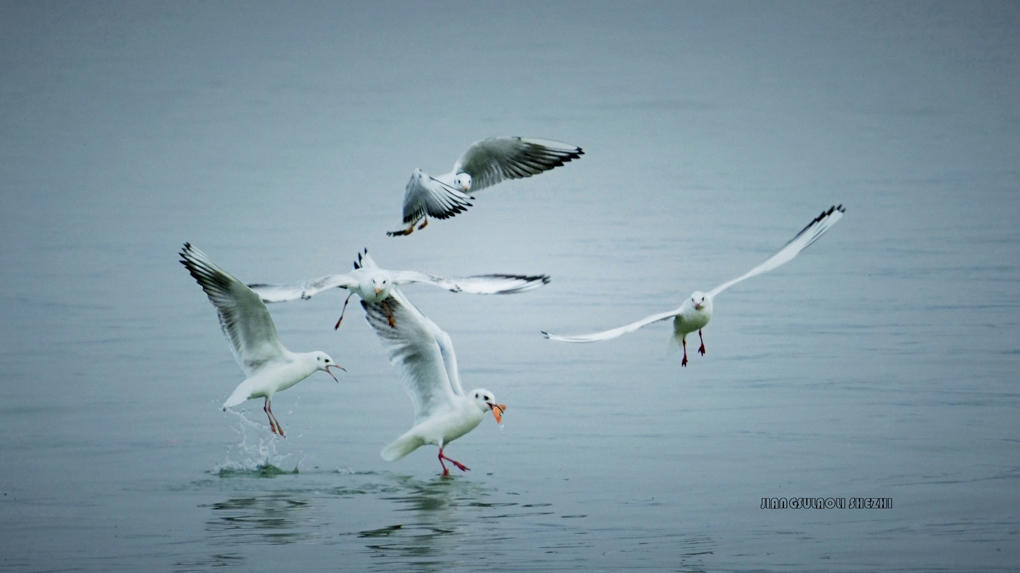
815,229
426,195
303,290
477,284
244,318
492,160
419,350
609,334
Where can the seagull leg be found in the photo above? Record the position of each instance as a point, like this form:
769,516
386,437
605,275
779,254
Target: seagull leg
389,315
446,472
274,425
343,311
407,231
459,465
265,408
422,226
702,349
684,341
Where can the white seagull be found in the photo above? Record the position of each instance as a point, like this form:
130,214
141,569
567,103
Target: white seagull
423,356
245,321
485,163
373,284
696,311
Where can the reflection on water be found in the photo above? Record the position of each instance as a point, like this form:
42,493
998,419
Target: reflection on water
378,521
275,518
435,526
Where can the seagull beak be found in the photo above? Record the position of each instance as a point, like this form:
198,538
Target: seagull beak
497,412
328,366
378,290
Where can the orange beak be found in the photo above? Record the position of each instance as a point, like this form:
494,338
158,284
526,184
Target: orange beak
497,412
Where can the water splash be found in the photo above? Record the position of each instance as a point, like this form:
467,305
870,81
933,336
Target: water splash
255,453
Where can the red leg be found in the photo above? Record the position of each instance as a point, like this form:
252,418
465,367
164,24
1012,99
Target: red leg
459,465
274,424
389,315
422,226
265,408
702,349
446,472
343,311
407,231
684,361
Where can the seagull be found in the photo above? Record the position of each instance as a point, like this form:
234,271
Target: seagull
423,356
696,311
372,284
245,321
485,163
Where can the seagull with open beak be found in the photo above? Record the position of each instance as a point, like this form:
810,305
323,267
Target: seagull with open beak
249,329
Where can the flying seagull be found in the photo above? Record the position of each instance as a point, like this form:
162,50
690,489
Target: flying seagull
423,356
372,284
245,321
696,311
485,163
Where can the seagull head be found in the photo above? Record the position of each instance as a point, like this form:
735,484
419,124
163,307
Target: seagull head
324,362
462,182
381,285
374,286
701,301
487,402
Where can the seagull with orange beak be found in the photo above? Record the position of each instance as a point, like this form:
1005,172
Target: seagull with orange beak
423,355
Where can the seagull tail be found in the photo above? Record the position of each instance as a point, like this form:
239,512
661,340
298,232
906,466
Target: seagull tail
240,394
677,340
401,447
674,344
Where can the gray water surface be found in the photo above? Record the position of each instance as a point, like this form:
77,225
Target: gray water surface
277,137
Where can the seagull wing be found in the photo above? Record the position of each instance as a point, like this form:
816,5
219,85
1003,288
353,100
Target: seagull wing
425,195
815,229
303,290
492,160
419,350
609,334
244,318
477,284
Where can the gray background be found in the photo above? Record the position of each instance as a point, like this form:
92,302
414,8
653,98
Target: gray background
277,137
